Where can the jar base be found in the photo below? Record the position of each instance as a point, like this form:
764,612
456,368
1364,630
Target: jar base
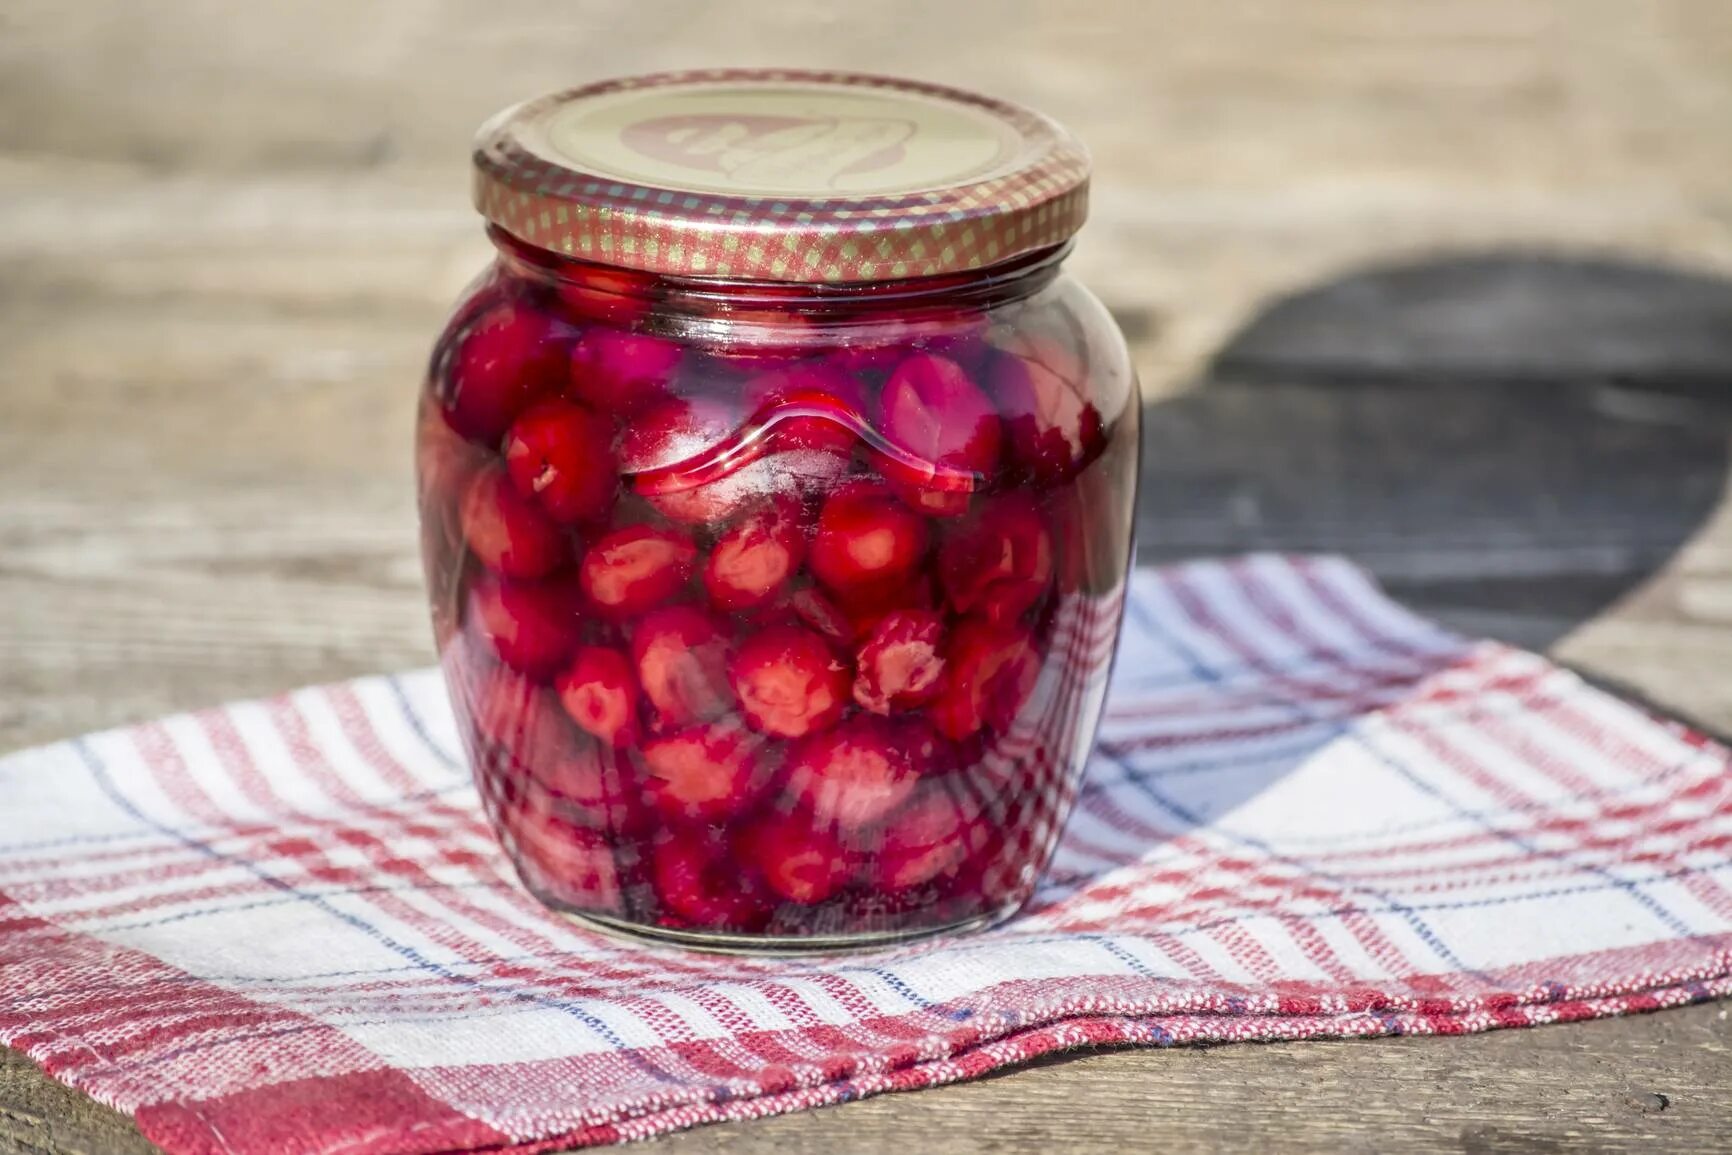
721,942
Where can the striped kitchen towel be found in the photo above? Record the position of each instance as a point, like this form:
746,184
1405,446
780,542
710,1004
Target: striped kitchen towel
283,926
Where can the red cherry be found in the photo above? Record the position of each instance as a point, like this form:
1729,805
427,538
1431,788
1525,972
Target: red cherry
755,557
598,786
821,614
574,771
622,373
636,568
687,462
1001,563
712,502
704,773
992,671
693,879
561,455
682,664
901,663
865,613
510,356
568,863
676,431
867,544
933,410
799,862
932,834
599,691
614,296
507,532
1051,426
854,774
788,681
811,406
532,626
846,626
928,498
521,720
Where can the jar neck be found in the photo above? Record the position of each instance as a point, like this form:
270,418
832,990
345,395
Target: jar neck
975,289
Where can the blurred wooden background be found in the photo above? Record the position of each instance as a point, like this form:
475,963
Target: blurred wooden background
228,232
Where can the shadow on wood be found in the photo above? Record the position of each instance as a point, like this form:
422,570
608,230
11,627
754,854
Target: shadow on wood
1510,442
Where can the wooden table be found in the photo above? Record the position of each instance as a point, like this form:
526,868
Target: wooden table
1438,286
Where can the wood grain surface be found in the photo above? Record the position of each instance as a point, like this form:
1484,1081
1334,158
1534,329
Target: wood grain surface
1440,286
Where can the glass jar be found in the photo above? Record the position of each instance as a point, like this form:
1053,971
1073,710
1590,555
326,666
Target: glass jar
776,489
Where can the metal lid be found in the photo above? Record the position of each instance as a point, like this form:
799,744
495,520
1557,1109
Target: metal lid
811,177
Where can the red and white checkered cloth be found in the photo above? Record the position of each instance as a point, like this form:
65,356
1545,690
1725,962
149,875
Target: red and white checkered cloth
282,925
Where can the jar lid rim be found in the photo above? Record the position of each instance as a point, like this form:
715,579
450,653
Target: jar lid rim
781,175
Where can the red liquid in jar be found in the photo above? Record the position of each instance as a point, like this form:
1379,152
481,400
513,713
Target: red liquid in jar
766,653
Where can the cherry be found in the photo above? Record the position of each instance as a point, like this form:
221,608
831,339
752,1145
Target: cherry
676,430
570,863
698,886
520,720
704,773
754,558
821,614
618,297
854,774
508,533
1051,426
999,564
901,663
867,543
711,502
798,861
928,497
598,785
929,835
510,356
599,691
789,682
671,451
561,455
682,664
932,409
622,373
532,626
636,568
573,771
866,611
992,672
828,402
